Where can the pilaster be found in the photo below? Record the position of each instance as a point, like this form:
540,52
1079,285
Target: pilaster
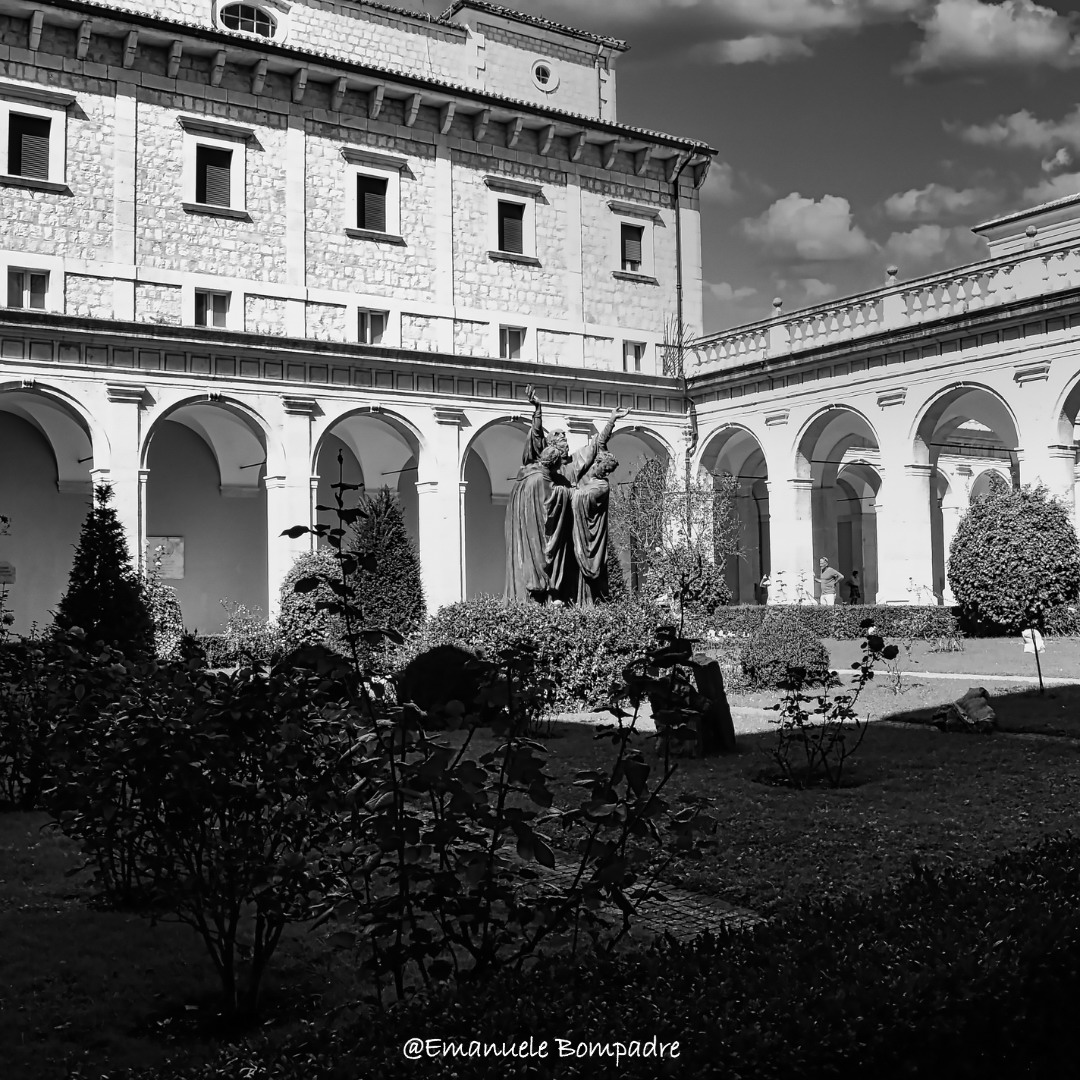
441,513
792,540
905,544
123,421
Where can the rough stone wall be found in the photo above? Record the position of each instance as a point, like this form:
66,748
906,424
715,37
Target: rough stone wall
419,332
553,347
264,314
79,224
508,57
602,353
167,236
326,322
349,264
514,288
472,338
158,303
88,297
609,300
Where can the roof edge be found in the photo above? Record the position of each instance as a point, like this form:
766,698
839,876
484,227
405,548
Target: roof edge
533,20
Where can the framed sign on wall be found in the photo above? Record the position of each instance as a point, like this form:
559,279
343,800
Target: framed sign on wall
170,549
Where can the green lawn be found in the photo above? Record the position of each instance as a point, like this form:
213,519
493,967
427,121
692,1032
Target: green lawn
108,989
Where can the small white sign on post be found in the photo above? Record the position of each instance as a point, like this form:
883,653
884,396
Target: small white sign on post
1033,641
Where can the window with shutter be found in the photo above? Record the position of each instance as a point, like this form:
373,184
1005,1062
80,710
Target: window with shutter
211,309
371,203
633,352
213,176
511,338
27,289
372,327
512,227
631,247
28,146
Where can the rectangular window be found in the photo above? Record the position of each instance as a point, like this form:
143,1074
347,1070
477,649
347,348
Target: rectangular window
512,227
28,146
631,243
633,351
213,176
211,308
511,339
27,289
371,203
372,327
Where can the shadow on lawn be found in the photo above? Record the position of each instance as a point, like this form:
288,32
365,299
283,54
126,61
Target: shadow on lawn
1019,709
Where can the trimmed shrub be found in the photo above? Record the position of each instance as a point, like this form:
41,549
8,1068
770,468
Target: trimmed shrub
1014,558
842,622
783,649
391,593
165,612
105,596
970,974
581,650
300,622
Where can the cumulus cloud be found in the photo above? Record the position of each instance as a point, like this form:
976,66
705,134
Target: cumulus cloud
966,35
722,290
730,305
720,184
757,48
795,227
1052,188
936,201
816,289
927,247
1060,159
737,31
1024,131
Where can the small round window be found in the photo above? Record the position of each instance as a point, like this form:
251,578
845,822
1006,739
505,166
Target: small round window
545,76
247,19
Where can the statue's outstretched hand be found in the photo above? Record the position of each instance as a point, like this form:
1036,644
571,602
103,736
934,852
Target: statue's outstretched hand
618,414
530,395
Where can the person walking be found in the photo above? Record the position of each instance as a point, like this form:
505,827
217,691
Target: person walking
854,589
829,581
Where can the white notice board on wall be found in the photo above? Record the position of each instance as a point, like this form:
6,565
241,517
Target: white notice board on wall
172,555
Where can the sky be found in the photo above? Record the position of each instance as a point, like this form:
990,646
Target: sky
852,135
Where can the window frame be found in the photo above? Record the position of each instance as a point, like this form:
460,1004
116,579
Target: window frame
41,104
388,167
237,144
278,11
505,190
505,329
258,9
234,314
36,271
645,219
363,311
638,360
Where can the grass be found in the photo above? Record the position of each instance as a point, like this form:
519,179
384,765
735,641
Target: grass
107,989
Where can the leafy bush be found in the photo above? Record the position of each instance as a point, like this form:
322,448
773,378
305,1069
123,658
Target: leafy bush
300,622
1062,621
1014,558
970,974
248,636
843,622
165,613
581,650
105,596
387,582
783,650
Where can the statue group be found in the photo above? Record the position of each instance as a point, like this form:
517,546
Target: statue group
557,517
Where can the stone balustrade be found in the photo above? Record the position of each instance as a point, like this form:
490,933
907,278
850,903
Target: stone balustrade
897,305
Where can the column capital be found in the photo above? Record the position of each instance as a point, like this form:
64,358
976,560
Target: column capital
925,471
427,487
128,393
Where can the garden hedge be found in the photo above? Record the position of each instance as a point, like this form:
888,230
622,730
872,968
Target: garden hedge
582,650
842,622
970,974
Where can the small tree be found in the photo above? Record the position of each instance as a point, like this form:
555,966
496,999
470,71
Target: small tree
1014,558
301,621
390,594
105,596
678,526
165,611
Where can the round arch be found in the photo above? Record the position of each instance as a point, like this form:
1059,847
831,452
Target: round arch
206,460
837,450
57,444
734,450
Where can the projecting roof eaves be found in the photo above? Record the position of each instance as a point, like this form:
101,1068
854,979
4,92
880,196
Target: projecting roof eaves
294,52
533,20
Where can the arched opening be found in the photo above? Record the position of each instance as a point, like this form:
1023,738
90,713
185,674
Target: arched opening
735,452
45,489
838,452
206,503
377,451
969,438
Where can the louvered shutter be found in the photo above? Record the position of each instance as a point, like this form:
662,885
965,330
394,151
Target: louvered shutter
631,247
15,289
28,146
371,203
511,227
213,176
